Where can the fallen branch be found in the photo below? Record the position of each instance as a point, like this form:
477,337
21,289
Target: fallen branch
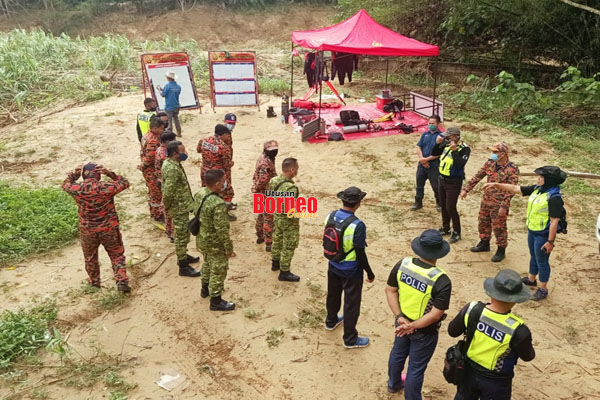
159,265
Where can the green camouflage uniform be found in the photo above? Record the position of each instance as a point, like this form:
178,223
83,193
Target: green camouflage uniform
287,230
178,202
213,240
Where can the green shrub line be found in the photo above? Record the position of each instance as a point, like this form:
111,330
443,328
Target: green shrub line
34,220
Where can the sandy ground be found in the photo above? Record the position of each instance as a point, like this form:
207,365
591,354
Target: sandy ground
225,355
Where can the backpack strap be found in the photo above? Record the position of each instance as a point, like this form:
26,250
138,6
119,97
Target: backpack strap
344,225
474,316
202,203
282,182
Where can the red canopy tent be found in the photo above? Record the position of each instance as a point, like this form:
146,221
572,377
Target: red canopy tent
361,34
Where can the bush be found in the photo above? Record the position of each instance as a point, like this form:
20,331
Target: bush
24,331
33,220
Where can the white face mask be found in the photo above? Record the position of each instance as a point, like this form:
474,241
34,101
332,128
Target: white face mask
230,126
224,185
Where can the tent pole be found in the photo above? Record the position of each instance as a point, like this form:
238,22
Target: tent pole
387,68
292,74
320,75
433,107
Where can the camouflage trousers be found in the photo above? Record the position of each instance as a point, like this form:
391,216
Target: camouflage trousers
285,240
154,193
113,244
214,271
181,233
489,220
169,225
264,227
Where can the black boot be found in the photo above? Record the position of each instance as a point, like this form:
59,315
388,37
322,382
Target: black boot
483,245
191,259
185,269
204,291
418,205
231,217
218,304
260,240
499,256
287,276
274,265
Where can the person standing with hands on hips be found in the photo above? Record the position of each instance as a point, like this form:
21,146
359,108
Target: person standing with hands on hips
544,211
171,93
454,155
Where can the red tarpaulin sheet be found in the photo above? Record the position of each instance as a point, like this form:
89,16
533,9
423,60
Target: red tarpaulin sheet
361,34
368,112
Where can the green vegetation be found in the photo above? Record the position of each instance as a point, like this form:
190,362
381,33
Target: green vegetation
274,336
24,331
568,116
311,312
33,220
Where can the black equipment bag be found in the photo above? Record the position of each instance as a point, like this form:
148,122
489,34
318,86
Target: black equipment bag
194,223
455,362
333,238
350,117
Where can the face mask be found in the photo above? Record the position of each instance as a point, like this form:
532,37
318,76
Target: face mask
271,153
224,185
230,127
494,157
432,127
183,157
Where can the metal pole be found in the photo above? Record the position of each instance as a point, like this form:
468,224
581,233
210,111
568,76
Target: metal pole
433,107
387,69
320,84
292,74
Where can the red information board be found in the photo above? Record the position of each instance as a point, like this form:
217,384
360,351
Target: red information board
233,80
154,69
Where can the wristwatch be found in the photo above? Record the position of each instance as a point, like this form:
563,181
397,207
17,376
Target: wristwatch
398,316
551,242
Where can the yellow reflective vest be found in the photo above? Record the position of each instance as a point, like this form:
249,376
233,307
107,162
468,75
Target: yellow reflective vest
490,344
446,160
537,211
414,288
143,120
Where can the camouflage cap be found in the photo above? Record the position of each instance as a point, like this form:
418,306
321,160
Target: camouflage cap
271,145
499,147
451,131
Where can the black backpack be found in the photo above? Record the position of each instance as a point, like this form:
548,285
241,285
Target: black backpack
333,238
562,223
350,117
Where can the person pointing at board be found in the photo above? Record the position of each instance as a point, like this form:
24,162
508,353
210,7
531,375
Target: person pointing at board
171,93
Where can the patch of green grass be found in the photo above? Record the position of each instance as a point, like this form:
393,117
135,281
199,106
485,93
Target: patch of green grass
34,220
117,395
575,186
274,336
274,86
110,298
24,331
40,393
2,146
251,313
311,312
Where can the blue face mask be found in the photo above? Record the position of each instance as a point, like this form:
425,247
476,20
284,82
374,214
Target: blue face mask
494,157
183,157
432,127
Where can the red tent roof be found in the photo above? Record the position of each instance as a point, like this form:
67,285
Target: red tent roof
361,34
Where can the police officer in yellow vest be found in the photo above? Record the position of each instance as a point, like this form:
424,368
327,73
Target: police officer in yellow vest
544,210
143,119
418,292
500,339
347,275
454,155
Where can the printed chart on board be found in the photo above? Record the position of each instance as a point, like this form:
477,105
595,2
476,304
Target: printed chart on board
233,79
154,69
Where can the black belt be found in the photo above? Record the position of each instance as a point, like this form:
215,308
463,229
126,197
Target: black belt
451,178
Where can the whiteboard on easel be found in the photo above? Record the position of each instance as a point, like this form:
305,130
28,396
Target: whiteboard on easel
155,68
233,80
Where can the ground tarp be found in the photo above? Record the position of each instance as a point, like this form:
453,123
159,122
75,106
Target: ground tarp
361,34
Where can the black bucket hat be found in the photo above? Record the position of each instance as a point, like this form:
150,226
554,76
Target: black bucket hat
507,286
430,245
550,171
351,195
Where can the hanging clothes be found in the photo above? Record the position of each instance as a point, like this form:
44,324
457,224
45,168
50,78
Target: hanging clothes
309,68
342,65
